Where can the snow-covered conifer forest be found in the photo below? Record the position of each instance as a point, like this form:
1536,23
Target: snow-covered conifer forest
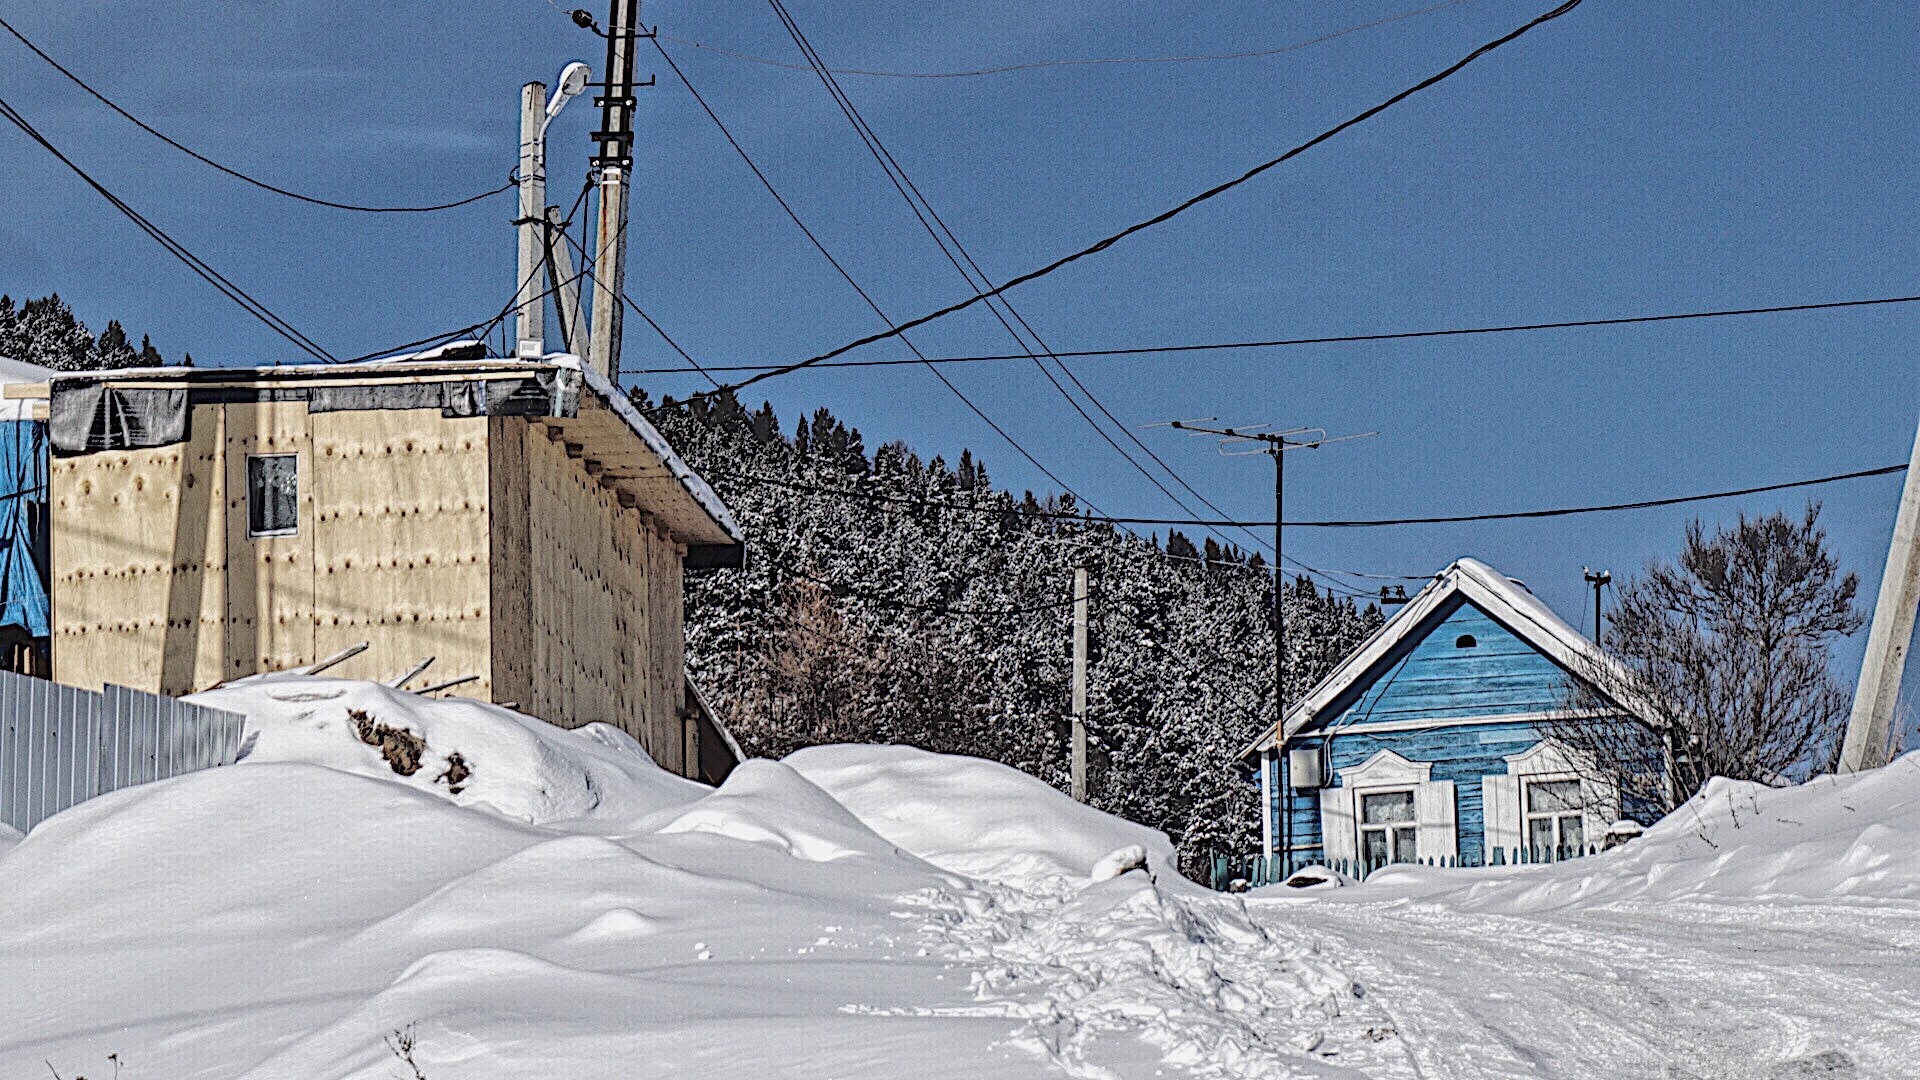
892,599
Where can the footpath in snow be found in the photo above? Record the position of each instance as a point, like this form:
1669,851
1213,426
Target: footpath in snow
550,904
573,911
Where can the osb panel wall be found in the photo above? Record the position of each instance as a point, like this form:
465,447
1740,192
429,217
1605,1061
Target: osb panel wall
392,548
601,593
139,563
270,601
400,543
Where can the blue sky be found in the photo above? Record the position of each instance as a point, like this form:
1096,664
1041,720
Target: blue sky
1629,158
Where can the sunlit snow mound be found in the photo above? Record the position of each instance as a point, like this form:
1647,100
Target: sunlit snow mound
573,910
973,816
1855,837
519,767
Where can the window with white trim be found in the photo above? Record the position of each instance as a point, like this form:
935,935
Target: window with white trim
1388,829
1555,809
273,494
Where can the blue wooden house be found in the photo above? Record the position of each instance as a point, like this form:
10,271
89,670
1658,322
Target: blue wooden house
1426,743
24,609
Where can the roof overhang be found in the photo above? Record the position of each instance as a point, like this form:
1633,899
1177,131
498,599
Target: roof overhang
1505,601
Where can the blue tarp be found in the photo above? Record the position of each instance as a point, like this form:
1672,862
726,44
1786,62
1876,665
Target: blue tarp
23,520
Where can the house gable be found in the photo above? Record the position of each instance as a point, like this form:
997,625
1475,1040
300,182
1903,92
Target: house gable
1462,663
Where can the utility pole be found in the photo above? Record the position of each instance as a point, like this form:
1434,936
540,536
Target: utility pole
566,286
1276,444
613,164
1080,684
1597,579
530,303
1870,727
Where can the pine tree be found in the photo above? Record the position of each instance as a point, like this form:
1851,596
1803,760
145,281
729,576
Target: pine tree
947,625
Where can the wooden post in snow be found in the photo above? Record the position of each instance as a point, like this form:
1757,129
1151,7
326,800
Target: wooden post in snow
1080,684
1870,727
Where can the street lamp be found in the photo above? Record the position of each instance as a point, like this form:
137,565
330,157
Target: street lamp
537,110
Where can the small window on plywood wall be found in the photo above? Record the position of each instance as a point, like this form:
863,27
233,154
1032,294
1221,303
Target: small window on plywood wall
273,494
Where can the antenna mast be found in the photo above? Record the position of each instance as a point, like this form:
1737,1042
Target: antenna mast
1274,444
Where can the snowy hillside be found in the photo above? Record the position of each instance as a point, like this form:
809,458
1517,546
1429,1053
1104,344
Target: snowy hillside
876,912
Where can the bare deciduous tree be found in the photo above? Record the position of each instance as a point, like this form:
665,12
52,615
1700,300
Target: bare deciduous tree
1728,653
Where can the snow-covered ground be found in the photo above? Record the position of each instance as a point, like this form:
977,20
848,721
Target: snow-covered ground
868,912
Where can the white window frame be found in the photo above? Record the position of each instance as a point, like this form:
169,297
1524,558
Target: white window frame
1559,818
1393,830
269,533
1504,799
1437,834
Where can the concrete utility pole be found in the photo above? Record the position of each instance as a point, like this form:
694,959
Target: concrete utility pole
566,287
1080,684
1870,728
613,163
530,320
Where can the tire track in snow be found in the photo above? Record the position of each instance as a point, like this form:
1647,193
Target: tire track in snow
1093,972
1673,991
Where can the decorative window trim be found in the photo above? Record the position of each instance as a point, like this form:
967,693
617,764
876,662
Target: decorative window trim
1503,798
1436,815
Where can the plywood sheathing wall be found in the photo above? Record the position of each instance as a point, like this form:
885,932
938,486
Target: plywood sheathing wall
270,602
392,548
601,587
139,571
400,543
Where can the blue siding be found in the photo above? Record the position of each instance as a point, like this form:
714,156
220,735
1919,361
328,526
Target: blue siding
1432,678
23,500
1500,675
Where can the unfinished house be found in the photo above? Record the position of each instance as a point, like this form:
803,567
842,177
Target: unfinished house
520,522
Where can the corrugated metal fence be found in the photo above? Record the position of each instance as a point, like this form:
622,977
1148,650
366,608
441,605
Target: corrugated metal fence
60,745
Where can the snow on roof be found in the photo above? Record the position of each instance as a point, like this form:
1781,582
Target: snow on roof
451,358
1506,600
15,371
696,486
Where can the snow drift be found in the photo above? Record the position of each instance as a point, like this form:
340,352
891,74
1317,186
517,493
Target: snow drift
558,906
1853,837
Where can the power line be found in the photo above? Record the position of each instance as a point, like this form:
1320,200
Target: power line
893,330
235,173
1165,215
179,251
1070,62
943,236
586,268
1512,515
1400,335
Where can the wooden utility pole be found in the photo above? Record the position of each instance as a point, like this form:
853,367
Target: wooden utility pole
1598,579
1080,684
530,300
613,164
1870,728
1274,444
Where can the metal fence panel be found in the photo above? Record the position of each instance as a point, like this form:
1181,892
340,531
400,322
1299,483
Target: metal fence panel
60,746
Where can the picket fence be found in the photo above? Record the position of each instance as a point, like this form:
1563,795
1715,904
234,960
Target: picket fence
1258,870
60,745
